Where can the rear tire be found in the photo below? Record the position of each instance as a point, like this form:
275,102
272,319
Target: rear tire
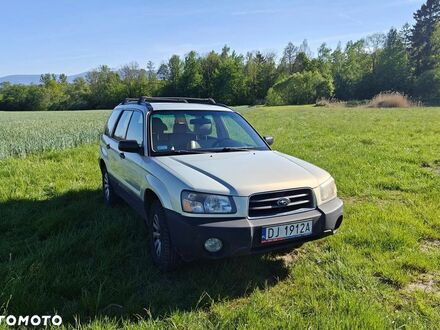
162,251
108,193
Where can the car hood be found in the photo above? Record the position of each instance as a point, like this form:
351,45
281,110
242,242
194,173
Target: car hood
243,173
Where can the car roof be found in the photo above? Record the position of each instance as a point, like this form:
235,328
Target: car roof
173,106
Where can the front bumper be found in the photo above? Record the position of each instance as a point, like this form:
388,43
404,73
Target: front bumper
242,236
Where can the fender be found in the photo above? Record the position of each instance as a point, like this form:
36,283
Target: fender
161,191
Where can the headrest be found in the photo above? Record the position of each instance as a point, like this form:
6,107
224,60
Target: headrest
180,127
158,126
202,126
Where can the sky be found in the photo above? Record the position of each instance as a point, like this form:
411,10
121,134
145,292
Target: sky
74,36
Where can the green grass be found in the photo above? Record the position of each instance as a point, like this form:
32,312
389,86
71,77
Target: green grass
62,251
25,132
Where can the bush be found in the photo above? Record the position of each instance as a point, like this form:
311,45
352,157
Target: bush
390,100
300,88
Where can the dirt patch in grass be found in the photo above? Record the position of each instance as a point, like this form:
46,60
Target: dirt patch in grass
387,280
427,283
288,258
434,167
430,245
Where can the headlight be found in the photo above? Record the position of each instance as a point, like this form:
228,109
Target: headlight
206,203
327,190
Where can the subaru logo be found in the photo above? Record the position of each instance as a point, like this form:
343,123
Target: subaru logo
283,202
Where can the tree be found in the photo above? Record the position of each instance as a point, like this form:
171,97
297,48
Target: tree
175,68
260,71
151,71
55,91
434,60
47,78
393,67
302,62
230,81
62,79
191,79
106,88
134,79
428,86
23,97
225,52
324,60
163,73
79,94
288,59
406,36
374,44
428,83
421,50
300,88
304,48
350,68
210,65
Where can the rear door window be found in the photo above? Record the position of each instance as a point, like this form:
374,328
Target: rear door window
121,127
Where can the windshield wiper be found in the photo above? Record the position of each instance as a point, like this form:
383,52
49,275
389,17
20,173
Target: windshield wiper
231,149
179,152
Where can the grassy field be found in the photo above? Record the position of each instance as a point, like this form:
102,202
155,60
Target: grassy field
62,251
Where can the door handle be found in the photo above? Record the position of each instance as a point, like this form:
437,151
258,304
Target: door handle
122,155
107,145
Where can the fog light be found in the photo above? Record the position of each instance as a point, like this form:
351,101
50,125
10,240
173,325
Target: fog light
213,245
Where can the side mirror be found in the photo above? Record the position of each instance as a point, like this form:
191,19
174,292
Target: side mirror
269,140
129,146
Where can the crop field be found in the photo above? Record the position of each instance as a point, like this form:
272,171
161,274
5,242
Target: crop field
62,251
25,132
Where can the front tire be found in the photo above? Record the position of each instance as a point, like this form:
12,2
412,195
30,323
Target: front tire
162,251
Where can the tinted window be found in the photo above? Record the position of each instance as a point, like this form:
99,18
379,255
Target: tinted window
121,127
136,128
201,131
110,125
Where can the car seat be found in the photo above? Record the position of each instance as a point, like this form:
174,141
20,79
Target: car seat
202,130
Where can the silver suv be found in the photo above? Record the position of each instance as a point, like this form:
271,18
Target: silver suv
208,185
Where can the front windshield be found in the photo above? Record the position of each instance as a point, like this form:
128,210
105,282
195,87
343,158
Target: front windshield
199,131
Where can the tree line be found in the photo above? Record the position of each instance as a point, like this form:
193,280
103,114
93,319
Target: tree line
405,60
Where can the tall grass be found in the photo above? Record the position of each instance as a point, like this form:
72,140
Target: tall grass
22,133
391,100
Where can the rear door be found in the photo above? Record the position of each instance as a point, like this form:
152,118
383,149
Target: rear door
134,172
106,139
115,157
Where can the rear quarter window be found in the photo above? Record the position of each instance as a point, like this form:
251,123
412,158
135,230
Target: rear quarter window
111,122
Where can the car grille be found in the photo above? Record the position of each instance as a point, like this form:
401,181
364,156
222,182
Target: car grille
278,202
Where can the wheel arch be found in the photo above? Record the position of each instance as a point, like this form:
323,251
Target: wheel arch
102,165
149,198
156,188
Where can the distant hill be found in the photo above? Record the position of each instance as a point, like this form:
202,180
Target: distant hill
33,78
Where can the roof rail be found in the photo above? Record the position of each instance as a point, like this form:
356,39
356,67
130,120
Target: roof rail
179,99
176,99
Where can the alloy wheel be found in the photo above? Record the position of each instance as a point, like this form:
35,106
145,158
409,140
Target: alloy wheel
156,235
106,184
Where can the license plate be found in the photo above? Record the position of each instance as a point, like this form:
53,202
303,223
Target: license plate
290,230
